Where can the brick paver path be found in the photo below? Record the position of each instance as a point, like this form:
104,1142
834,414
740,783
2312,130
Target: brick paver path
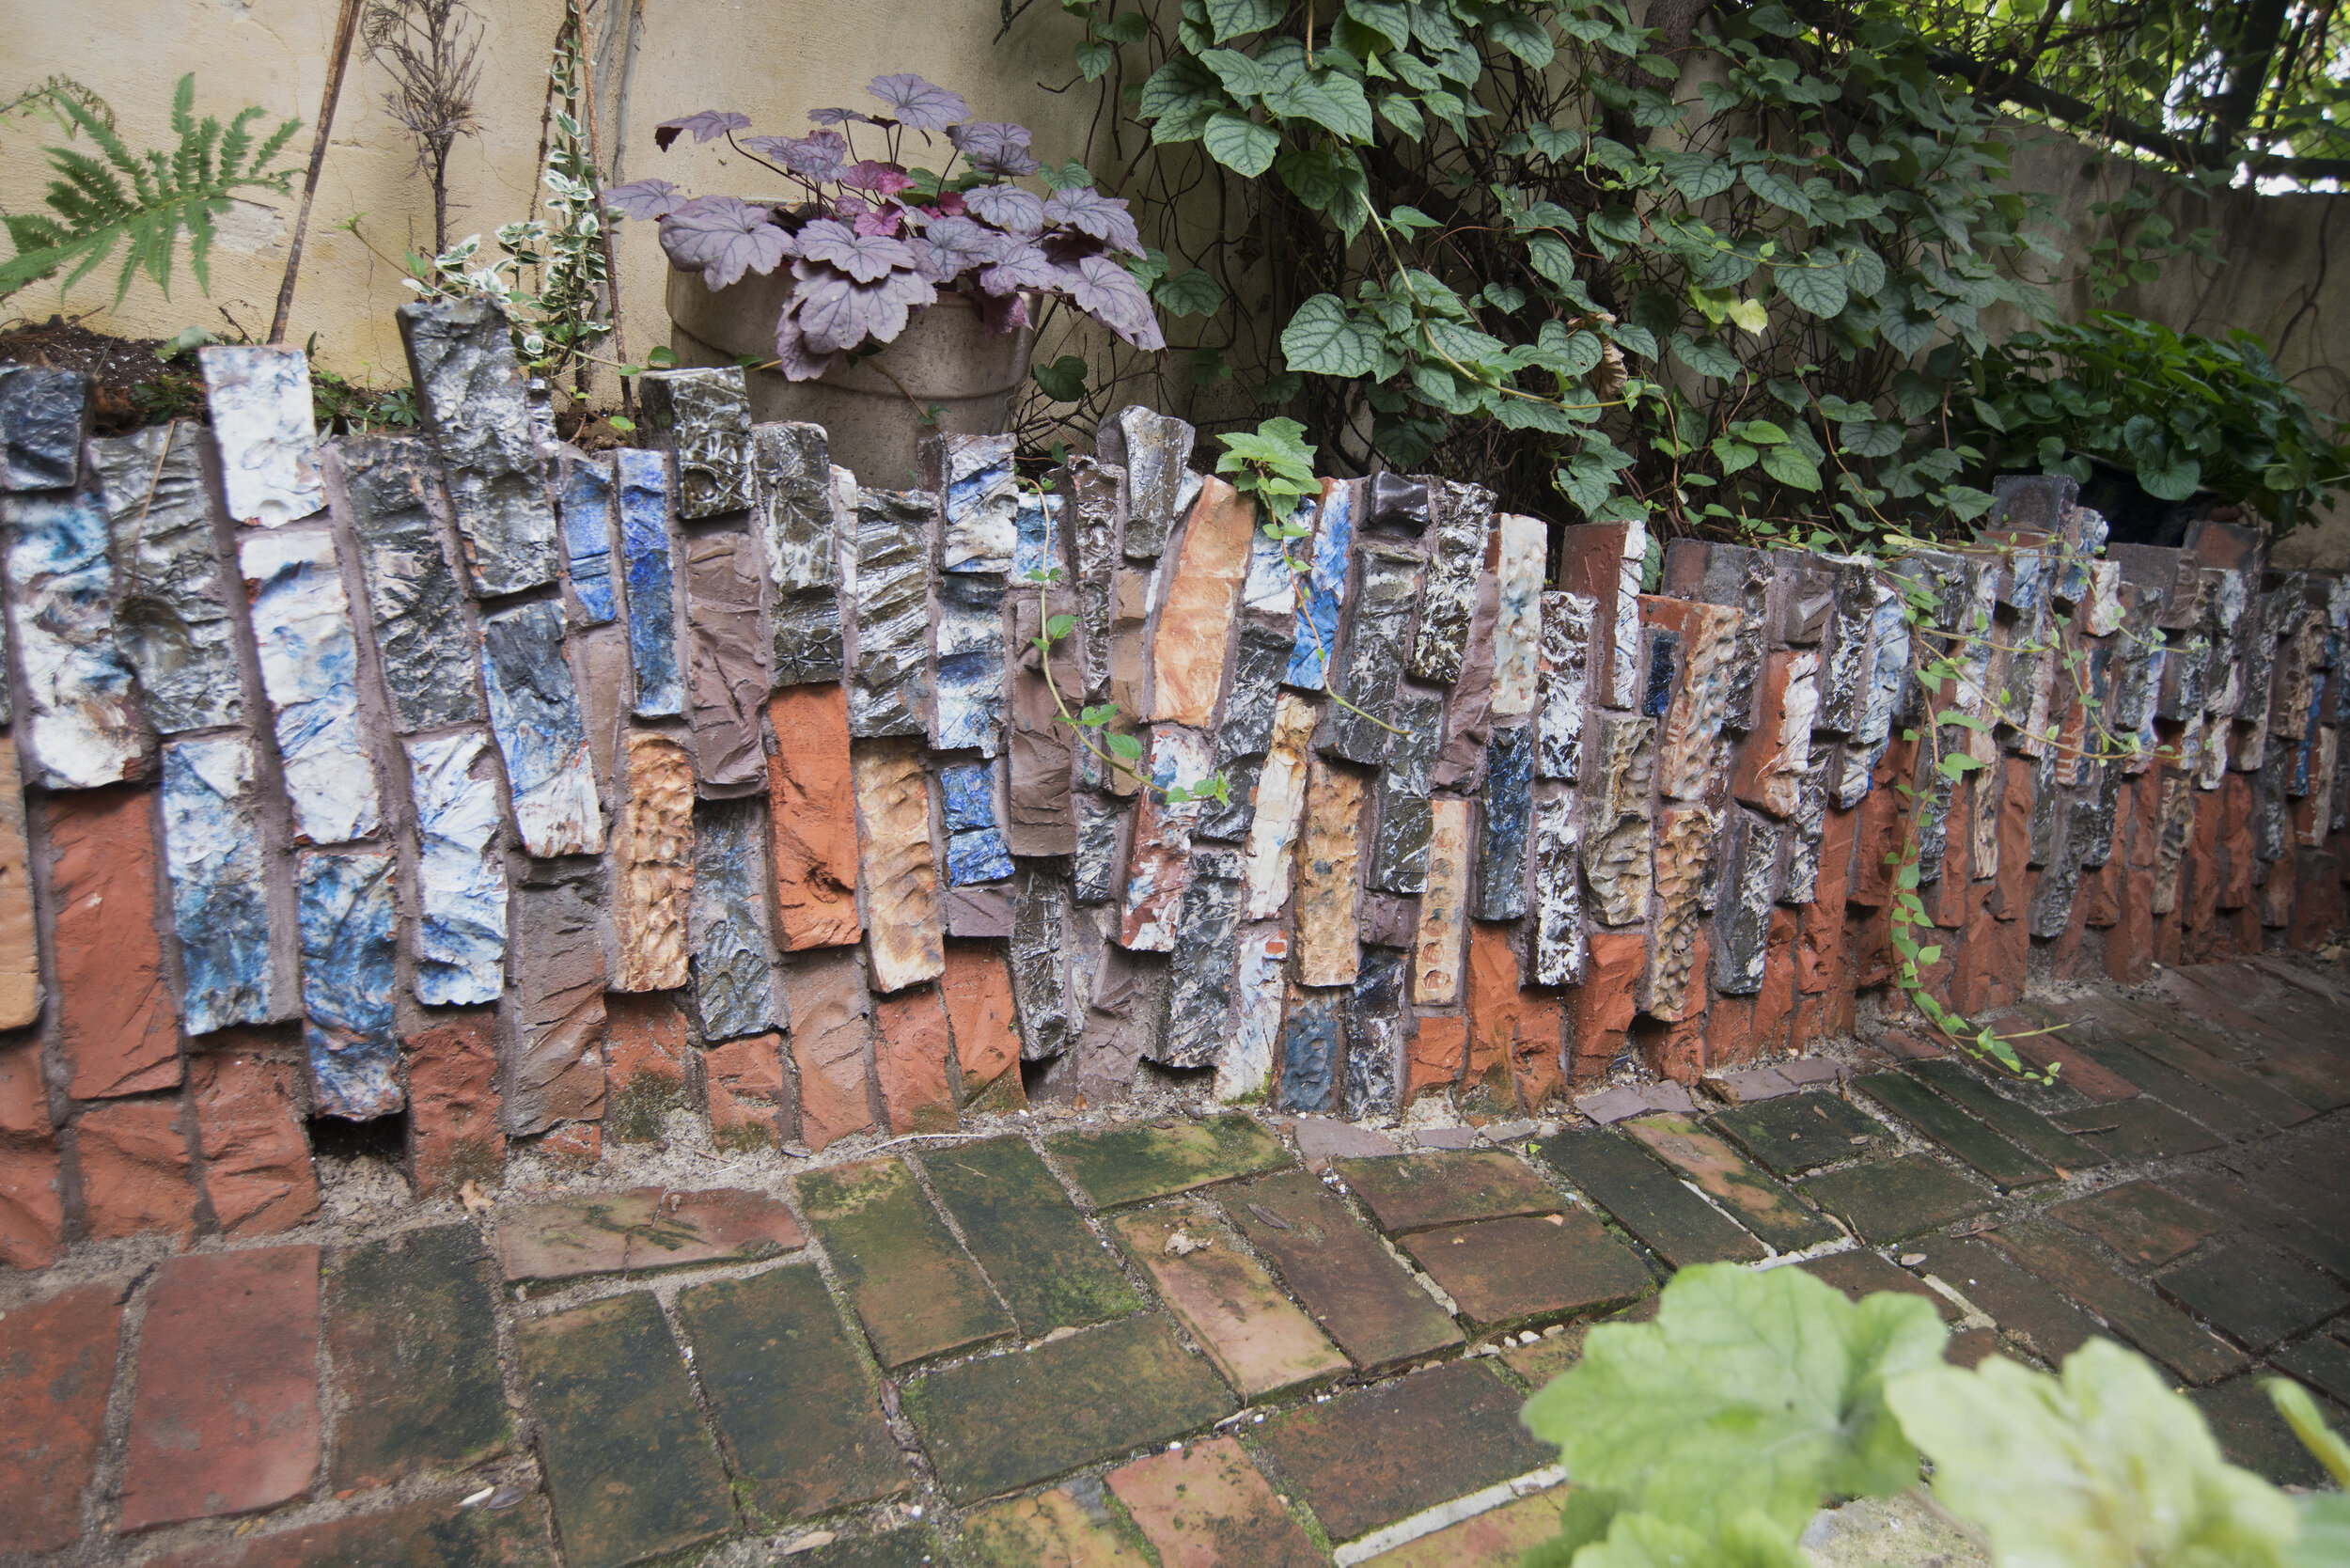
1215,1341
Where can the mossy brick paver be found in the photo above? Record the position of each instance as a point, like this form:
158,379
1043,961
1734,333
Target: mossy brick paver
2253,1091
2078,1074
2160,1081
1765,1207
1257,1338
2321,1245
57,1366
411,1328
1531,1269
2222,1013
1498,1538
2129,1131
913,1547
1941,1122
1354,1287
2133,1311
2251,1434
2138,1220
628,1464
1547,1357
997,1423
1131,1165
224,1419
2321,1361
1029,1237
430,1533
1894,1199
2308,1070
794,1410
2255,1299
1366,1459
913,1288
2019,1125
1206,1504
1647,1200
1796,1134
1068,1527
1861,1272
624,1233
1412,1192
2023,1304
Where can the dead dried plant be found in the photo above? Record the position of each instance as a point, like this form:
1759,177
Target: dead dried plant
431,50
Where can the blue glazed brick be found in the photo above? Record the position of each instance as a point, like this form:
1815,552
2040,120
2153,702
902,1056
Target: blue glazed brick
348,917
969,791
1509,812
1317,621
219,894
978,856
1310,1052
588,538
652,584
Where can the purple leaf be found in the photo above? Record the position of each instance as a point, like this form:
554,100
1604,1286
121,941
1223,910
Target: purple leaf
883,224
816,157
1007,207
723,238
917,105
708,126
881,178
1025,267
961,244
992,148
1108,293
863,257
839,117
836,312
1089,212
1003,313
797,361
642,199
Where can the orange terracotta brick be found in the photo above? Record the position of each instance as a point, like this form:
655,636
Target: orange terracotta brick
1601,1008
1538,1069
829,1012
977,987
1677,1050
117,1026
32,1210
648,1052
912,1047
248,1118
133,1156
1492,1002
453,1132
24,1096
1438,1052
811,800
747,1092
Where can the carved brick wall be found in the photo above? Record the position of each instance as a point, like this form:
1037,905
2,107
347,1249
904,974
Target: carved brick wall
522,796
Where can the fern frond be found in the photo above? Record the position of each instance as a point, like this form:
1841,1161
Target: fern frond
143,203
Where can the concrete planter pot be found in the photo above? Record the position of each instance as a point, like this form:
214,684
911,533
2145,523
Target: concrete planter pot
872,410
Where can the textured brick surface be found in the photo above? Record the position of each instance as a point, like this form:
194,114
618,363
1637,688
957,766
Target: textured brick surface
224,1419
57,1366
1531,1269
1205,1505
648,1227
1420,1190
914,1288
1029,1237
1225,1301
428,1534
1354,1288
1132,1164
415,1349
117,1026
135,1175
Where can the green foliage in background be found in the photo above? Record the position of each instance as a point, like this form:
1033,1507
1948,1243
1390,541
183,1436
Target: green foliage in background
2183,412
1711,1436
141,202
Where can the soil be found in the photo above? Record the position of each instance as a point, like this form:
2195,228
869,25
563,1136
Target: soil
134,388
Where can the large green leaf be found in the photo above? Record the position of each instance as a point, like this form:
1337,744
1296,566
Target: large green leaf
1522,36
1322,339
1789,466
1330,99
1179,98
1645,1541
1240,144
1816,284
1229,18
1241,76
1750,1392
2104,1468
1192,291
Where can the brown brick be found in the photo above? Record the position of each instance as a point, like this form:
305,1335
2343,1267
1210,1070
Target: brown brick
117,1026
646,1227
911,1050
19,955
812,807
1225,1299
1207,1504
977,988
747,1094
1532,1269
646,1046
57,1366
453,1131
225,1419
432,1533
1601,1008
24,1097
133,1155
257,1162
32,1213
568,1145
1676,1051
825,992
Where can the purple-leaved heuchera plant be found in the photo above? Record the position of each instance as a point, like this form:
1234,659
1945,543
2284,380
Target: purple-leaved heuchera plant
877,240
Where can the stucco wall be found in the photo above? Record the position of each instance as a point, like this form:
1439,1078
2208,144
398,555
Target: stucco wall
772,60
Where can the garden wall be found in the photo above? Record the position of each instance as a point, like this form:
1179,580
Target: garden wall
493,796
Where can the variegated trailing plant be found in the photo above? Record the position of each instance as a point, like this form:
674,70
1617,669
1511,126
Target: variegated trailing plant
872,240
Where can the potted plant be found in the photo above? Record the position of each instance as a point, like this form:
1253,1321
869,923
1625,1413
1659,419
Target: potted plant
909,296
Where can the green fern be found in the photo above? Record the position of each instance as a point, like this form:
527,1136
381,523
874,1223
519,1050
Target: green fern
142,200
